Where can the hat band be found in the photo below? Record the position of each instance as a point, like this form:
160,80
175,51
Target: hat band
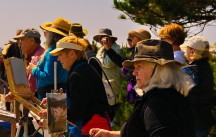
69,46
62,30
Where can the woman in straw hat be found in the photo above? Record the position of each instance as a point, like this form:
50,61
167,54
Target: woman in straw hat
201,94
44,71
85,90
163,110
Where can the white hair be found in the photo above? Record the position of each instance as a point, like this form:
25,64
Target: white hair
170,75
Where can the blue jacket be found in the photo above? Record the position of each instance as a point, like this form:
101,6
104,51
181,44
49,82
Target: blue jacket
44,73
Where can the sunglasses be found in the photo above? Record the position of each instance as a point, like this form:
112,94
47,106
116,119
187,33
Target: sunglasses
129,39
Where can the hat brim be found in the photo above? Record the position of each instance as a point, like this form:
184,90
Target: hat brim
129,64
134,33
18,37
96,37
56,51
54,30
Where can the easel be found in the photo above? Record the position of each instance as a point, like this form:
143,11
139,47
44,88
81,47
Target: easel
18,84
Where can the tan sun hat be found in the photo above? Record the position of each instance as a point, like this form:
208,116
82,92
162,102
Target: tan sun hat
151,50
60,26
140,33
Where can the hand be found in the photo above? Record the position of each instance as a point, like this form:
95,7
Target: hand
44,101
107,45
9,97
97,132
43,113
30,67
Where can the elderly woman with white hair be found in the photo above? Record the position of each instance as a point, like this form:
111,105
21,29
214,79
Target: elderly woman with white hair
163,110
201,94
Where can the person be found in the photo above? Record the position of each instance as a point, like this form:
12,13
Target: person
89,50
78,31
113,71
86,95
201,94
44,70
175,35
133,38
163,111
30,45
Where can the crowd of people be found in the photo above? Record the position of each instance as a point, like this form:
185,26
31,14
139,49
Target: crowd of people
171,91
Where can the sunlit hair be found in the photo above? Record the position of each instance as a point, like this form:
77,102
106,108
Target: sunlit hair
201,54
174,32
78,41
169,75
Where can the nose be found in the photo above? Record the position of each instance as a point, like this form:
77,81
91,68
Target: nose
135,72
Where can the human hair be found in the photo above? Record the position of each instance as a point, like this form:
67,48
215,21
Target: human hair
201,54
170,75
78,41
174,32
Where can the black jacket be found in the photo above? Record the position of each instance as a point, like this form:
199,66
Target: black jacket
160,113
201,95
86,93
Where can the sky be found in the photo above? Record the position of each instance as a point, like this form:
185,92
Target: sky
92,14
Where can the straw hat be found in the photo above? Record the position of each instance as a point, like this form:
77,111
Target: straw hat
60,26
46,24
140,33
155,51
78,31
104,32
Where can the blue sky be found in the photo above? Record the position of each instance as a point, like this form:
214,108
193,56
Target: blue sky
92,14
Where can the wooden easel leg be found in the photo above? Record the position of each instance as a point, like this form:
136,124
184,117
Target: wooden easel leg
13,129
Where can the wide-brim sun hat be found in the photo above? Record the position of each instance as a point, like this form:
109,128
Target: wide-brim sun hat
140,33
77,30
60,45
60,26
151,50
46,24
104,32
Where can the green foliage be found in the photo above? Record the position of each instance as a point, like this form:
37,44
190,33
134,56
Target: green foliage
157,13
124,110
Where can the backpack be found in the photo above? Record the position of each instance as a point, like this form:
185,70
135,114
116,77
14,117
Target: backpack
96,65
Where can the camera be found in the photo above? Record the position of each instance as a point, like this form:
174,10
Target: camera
105,40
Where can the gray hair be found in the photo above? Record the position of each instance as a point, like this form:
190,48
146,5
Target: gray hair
170,75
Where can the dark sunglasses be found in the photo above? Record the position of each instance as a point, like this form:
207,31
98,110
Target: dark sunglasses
129,39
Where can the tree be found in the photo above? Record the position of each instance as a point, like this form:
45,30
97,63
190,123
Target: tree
157,13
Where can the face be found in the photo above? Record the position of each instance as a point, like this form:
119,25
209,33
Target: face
134,41
59,113
25,44
143,71
189,53
129,41
67,59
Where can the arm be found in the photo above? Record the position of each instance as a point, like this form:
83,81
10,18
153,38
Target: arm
96,132
116,58
104,58
45,71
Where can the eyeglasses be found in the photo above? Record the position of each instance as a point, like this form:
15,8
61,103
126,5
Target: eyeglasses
129,39
22,39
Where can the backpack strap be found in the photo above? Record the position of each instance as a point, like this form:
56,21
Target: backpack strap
99,63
